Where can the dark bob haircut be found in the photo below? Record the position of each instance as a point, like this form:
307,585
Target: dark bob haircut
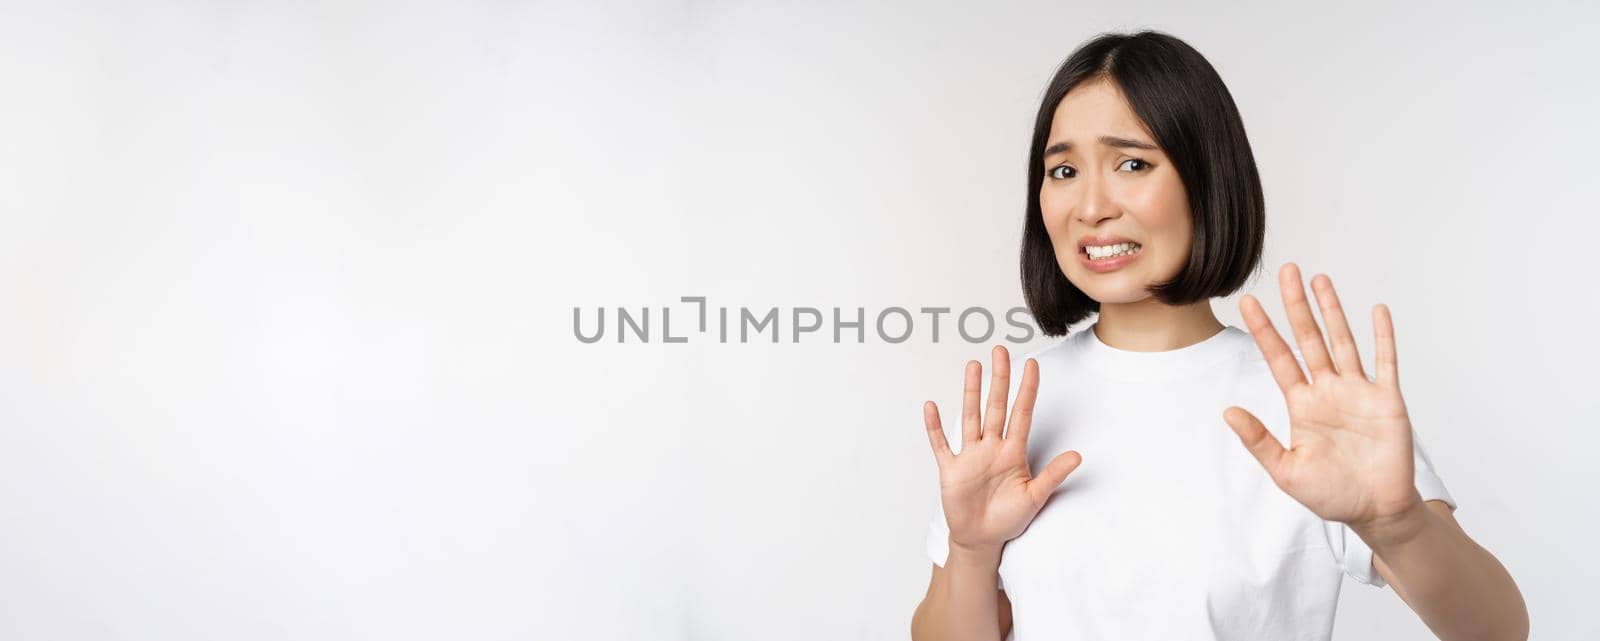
1182,100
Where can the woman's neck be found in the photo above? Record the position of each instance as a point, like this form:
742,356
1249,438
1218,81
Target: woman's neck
1151,326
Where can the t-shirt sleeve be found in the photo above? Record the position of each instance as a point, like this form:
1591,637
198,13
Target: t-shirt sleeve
939,538
1352,552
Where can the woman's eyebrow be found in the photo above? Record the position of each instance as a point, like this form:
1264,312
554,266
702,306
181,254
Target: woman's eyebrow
1109,141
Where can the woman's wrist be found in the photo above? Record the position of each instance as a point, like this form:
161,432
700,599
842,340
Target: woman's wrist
1397,529
975,555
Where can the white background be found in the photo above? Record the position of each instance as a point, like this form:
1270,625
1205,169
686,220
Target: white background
286,349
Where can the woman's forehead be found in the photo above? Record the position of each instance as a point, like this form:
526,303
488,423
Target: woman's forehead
1093,110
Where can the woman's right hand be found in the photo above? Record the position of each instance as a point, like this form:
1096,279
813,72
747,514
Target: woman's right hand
988,493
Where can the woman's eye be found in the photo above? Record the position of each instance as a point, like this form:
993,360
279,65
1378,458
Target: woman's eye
1144,164
1059,172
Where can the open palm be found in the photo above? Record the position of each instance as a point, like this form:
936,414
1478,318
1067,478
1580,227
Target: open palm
988,493
1350,453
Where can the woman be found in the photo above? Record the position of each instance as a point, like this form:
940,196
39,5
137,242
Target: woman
1143,204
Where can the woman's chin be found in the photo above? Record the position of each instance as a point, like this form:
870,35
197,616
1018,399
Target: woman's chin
1105,293
1110,288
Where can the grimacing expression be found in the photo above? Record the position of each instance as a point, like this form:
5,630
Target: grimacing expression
1104,174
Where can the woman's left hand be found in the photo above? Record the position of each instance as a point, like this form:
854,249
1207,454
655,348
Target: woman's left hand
1349,458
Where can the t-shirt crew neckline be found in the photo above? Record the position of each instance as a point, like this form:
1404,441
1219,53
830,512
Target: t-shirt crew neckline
1130,365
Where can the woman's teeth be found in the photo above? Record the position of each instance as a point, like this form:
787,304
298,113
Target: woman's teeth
1111,251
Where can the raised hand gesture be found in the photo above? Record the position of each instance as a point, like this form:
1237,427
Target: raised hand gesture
1350,453
988,494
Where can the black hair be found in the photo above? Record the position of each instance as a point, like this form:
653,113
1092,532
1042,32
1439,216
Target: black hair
1187,108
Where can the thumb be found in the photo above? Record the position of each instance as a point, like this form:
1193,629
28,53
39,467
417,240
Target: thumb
1053,475
1261,443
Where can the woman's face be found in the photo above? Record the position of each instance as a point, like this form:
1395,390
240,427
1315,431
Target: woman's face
1104,176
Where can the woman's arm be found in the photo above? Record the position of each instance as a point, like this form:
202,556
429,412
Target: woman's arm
963,602
988,496
1454,585
1352,461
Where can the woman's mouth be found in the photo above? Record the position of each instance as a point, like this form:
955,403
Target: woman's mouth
1110,257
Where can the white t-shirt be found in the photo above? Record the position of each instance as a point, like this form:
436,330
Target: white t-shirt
1169,529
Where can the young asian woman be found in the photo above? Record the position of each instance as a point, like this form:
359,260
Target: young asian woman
1144,203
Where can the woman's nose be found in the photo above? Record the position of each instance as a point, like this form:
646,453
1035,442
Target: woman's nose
1096,204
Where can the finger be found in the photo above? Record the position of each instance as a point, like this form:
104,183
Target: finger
1261,443
1285,369
1345,355
1053,475
969,404
1387,364
1306,333
1022,411
994,417
941,446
